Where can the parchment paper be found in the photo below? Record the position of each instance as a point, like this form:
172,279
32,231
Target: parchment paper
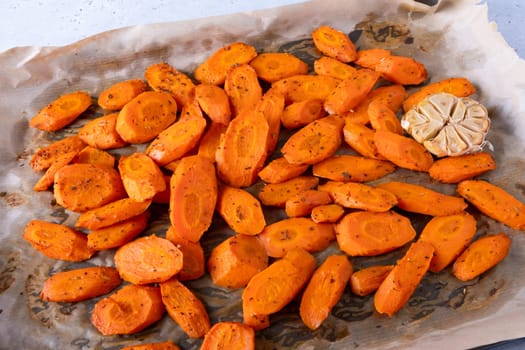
452,38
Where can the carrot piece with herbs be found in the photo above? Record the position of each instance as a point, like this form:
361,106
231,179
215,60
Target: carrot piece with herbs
370,58
193,194
111,213
282,236
214,69
243,88
129,310
118,234
494,201
367,280
101,133
193,262
329,213
165,78
346,168
276,194
367,233
460,87
165,345
273,66
57,241
92,155
46,156
146,116
463,167
402,281
324,290
142,178
383,118
361,139
334,68
80,284
117,95
299,114
241,210
314,142
403,151
214,101
185,308
229,335
271,106
303,203
148,259
449,235
242,152
61,112
279,170
481,255
81,187
334,43
48,178
402,70
305,87
234,261
210,140
359,196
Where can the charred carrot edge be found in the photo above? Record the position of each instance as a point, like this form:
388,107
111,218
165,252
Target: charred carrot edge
214,101
276,194
44,157
164,78
273,66
101,133
459,168
359,196
330,213
403,151
305,87
346,168
118,234
61,112
243,88
367,280
303,203
334,43
241,210
117,95
229,335
333,67
111,213
193,260
299,114
402,70
141,177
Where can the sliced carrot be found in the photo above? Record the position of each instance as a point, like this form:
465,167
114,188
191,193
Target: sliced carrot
324,290
403,151
142,178
129,310
481,255
305,87
117,95
314,142
61,112
367,280
276,194
118,234
165,345
334,68
48,178
241,210
229,335
361,139
163,197
279,170
148,259
383,118
242,152
419,199
193,197
494,201
234,261
299,114
111,213
193,262
185,308
164,78
464,167
214,102
303,203
402,70
273,66
282,236
449,235
402,281
370,58
101,132
80,284
92,155
334,43
46,156
256,321
359,196
346,168
271,106
171,166
366,233
57,241
210,140
144,117
243,88
330,213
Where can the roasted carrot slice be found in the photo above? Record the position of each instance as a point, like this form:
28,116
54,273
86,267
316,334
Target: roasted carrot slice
403,151
449,235
193,262
361,139
101,132
402,70
242,152
229,335
459,168
303,203
48,178
359,196
282,236
61,112
241,210
185,308
163,197
144,117
366,233
149,259
279,170
92,155
118,234
334,68
276,194
370,58
209,142
271,106
299,114
273,66
243,88
419,199
305,87
383,118
163,77
481,255
214,102
111,213
314,142
46,156
346,168
165,345
117,95
494,202
129,310
327,213
256,321
402,281
193,197
367,280
213,70
80,284
57,241
142,178
234,261
334,43
81,187
324,290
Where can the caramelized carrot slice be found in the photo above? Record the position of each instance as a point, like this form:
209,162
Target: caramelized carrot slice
101,132
459,168
402,70
303,203
229,335
305,87
46,156
299,114
243,89
367,280
61,112
334,43
117,95
193,264
359,196
403,151
214,102
383,118
330,213
277,194
118,234
241,210
273,66
164,78
111,213
279,170
352,168
142,178
334,68
272,106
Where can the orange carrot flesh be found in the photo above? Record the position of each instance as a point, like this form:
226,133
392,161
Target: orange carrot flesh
481,255
185,308
111,213
271,106
210,140
141,177
459,168
305,87
162,77
61,112
229,335
449,235
324,290
80,284
117,95
149,259
118,234
241,210
49,176
359,196
273,66
334,43
193,261
329,213
243,88
214,102
383,118
101,133
494,202
404,278
334,68
367,280
256,321
276,194
402,70
303,203
165,345
361,139
366,233
370,58
352,168
129,310
92,155
299,114
46,156
403,151
279,170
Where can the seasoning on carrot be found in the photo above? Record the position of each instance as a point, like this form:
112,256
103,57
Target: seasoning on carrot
46,156
276,194
361,139
118,234
61,112
141,177
334,68
243,88
302,204
241,210
299,114
214,101
305,87
346,168
334,43
403,151
164,78
383,118
367,280
359,196
273,66
101,132
279,170
402,70
117,95
229,335
111,213
271,106
48,178
329,213
92,155
193,261
459,168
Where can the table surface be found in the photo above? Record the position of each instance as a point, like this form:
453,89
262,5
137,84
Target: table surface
60,22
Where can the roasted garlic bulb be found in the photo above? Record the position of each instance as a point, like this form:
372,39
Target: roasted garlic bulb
448,125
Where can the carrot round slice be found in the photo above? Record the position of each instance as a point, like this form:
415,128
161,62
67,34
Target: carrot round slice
334,43
111,213
346,168
61,112
403,151
165,78
241,210
214,102
359,196
101,132
402,70
193,264
46,156
459,168
243,88
334,68
367,280
118,94
142,178
118,234
273,66
229,335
